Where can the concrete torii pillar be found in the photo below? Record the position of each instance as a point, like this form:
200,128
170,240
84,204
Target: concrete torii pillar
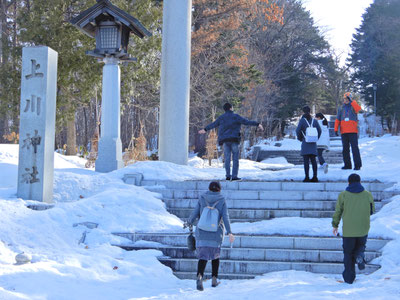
175,81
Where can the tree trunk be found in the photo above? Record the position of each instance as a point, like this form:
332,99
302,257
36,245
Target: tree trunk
71,137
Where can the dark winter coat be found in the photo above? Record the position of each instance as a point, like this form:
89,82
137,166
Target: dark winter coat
307,148
229,127
207,238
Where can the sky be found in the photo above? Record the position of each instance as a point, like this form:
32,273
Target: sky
339,20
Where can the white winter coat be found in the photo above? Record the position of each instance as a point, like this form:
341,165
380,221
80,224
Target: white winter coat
324,140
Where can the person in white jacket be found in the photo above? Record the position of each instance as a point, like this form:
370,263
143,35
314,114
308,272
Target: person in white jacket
324,141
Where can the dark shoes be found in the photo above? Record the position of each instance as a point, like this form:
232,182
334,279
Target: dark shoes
307,179
199,283
346,168
229,178
215,282
360,262
357,168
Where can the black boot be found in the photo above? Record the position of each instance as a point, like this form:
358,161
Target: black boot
307,179
199,283
314,179
214,282
360,262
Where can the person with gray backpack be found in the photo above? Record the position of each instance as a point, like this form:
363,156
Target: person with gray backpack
211,212
308,132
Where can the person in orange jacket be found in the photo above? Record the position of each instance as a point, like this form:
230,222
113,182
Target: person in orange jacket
347,122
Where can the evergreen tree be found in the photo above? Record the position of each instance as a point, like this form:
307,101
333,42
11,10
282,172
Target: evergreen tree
376,57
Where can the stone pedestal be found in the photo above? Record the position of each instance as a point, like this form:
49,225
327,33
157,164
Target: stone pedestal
37,123
175,82
110,147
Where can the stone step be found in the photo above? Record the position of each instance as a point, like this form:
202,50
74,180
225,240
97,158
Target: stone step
261,267
249,185
256,241
264,204
259,254
253,215
207,276
263,194
293,156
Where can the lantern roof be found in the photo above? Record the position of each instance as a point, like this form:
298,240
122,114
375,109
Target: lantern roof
88,20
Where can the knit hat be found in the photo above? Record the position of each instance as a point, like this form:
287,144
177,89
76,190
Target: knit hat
348,95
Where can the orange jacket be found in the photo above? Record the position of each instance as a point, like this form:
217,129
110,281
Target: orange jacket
347,118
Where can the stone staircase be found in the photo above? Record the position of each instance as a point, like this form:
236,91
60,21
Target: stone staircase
253,255
293,156
251,201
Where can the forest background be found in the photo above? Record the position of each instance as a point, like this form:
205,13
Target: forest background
266,57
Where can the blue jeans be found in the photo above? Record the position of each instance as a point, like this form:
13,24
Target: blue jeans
231,148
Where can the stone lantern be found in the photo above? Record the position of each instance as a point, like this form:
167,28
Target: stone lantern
111,27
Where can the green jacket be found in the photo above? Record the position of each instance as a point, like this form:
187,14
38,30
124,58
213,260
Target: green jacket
355,209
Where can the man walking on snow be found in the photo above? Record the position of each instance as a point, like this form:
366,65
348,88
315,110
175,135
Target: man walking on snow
347,121
354,206
229,136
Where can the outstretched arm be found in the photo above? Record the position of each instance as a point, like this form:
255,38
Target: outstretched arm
213,125
244,121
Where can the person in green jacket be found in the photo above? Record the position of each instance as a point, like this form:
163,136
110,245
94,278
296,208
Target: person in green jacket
354,206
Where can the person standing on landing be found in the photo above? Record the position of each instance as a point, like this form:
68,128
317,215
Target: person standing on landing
308,150
229,136
324,141
208,243
355,205
347,122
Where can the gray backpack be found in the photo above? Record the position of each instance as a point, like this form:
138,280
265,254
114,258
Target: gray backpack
209,218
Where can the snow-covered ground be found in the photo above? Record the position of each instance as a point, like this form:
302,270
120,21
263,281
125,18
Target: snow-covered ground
62,268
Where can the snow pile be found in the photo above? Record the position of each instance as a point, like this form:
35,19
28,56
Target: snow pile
93,269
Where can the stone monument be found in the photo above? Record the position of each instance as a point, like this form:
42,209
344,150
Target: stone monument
37,123
175,81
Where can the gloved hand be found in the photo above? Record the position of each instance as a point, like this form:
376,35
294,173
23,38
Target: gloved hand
336,133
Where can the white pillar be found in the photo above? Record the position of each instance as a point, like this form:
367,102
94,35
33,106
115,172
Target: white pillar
37,123
175,82
110,147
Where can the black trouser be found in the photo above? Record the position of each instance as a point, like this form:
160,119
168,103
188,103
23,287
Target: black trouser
201,266
307,159
320,157
347,140
352,247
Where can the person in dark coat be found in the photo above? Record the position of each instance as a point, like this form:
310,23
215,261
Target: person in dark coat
308,150
208,243
229,136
